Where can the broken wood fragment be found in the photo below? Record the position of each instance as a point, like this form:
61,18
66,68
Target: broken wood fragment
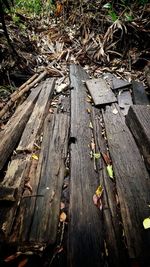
132,183
12,132
100,92
138,120
85,225
139,94
36,118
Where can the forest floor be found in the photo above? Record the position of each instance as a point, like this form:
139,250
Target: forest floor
94,41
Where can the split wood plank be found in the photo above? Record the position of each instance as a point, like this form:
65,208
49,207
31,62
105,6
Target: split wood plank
13,130
85,227
116,83
35,121
132,182
138,120
124,101
100,92
13,181
139,94
39,212
117,255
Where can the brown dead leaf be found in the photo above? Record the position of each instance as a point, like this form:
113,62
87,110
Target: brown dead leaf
63,217
106,158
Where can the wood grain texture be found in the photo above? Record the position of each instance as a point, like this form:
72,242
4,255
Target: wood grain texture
38,214
11,134
116,83
138,120
14,181
45,221
85,225
132,183
100,92
139,94
36,119
117,254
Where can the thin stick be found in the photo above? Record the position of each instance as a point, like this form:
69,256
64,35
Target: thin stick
16,96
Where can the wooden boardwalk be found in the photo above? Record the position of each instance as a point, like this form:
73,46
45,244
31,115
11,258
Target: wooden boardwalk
78,147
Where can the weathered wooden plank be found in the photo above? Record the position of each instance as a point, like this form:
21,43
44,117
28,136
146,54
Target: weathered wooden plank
45,221
139,94
124,101
85,226
138,120
100,92
14,182
132,183
117,255
39,211
36,119
120,84
11,134
116,83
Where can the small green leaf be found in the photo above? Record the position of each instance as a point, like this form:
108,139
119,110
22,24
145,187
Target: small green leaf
146,223
96,155
110,171
107,6
113,15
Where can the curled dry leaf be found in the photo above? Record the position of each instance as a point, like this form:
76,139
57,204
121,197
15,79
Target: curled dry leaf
63,217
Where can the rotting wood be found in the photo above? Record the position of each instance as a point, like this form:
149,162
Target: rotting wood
116,83
12,132
36,118
38,215
132,183
20,93
100,92
124,101
139,94
138,120
14,182
113,234
85,226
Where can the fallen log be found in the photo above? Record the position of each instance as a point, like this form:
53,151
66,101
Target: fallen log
16,96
